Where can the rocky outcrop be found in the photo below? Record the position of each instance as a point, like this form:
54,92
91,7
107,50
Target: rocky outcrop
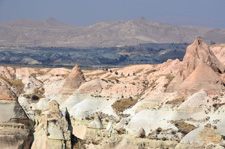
219,51
15,126
6,92
203,137
209,135
140,133
120,127
53,129
199,52
198,61
198,79
9,103
92,87
73,81
110,128
7,72
97,123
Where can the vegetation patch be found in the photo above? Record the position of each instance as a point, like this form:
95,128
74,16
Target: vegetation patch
153,84
183,127
123,104
18,84
41,72
38,93
169,77
217,105
150,71
116,78
95,75
217,45
138,71
176,101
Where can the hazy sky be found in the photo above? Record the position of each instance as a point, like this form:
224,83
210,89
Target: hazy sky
86,12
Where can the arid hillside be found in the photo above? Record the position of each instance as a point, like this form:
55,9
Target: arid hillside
52,33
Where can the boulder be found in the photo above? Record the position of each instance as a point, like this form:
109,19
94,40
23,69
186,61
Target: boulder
120,127
140,133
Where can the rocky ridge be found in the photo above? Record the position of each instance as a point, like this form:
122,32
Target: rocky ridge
51,32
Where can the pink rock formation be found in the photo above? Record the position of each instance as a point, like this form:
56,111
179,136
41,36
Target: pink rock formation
6,72
199,52
73,81
6,93
25,72
219,51
203,77
199,65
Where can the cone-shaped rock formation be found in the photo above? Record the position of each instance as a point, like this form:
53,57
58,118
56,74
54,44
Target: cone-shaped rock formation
73,81
199,71
200,52
203,77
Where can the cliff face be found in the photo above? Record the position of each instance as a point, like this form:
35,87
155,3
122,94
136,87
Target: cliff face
15,126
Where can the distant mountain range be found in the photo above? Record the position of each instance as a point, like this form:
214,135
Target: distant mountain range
52,33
